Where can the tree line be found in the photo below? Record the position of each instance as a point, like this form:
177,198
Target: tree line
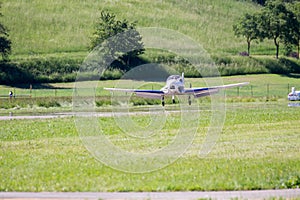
5,43
278,20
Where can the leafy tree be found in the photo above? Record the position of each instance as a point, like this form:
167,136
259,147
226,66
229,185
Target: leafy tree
5,43
108,36
247,27
278,24
295,8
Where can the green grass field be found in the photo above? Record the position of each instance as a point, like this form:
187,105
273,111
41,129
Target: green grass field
257,149
279,86
58,96
54,27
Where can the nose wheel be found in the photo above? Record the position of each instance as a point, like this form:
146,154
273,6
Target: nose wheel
190,100
163,101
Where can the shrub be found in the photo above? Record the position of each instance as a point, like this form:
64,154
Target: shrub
244,53
48,103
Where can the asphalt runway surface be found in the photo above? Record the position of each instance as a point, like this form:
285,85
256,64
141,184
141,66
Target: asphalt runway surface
255,194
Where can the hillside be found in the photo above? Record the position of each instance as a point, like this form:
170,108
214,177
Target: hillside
55,26
50,38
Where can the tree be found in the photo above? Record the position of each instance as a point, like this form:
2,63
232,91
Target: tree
108,35
5,43
278,23
295,8
247,27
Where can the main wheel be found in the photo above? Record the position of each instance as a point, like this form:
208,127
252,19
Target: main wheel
163,101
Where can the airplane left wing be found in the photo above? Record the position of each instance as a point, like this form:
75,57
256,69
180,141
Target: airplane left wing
151,94
202,92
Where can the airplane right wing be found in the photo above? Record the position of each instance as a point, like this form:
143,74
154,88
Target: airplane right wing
202,92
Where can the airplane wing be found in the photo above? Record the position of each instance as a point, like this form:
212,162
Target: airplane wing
202,92
151,94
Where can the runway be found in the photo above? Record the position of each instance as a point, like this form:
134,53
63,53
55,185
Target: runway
78,114
255,194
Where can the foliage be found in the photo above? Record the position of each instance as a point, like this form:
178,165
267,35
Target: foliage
39,70
119,41
5,43
247,27
295,8
261,2
279,23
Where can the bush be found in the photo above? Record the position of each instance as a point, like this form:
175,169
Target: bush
244,53
48,103
39,70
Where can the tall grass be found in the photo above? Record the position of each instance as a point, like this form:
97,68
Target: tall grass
65,26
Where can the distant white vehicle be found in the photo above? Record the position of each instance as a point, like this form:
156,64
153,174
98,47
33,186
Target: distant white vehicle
294,95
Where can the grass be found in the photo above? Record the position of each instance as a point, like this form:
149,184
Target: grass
54,26
258,149
58,96
261,86
51,39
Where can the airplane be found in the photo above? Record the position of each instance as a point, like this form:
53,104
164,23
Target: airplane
175,86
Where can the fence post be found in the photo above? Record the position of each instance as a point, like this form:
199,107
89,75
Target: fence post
30,90
268,90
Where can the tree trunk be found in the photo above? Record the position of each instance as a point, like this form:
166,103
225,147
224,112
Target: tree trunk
248,47
298,49
277,47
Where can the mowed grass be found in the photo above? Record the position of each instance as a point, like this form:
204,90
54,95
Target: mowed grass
259,148
261,85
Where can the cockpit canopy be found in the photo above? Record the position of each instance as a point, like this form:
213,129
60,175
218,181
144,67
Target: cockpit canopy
175,78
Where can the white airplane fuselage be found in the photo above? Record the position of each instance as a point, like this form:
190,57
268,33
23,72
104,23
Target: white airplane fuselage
174,85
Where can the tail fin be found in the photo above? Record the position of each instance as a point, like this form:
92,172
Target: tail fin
182,76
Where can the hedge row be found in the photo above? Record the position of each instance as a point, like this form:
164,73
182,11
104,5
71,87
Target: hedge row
41,70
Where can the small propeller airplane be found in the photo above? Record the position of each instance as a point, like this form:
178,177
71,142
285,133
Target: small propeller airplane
175,86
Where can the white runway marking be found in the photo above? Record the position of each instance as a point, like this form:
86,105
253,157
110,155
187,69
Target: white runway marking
255,194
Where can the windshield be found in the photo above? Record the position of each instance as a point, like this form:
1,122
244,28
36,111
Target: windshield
174,77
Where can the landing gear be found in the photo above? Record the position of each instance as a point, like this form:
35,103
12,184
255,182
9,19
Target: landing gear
190,100
163,101
173,99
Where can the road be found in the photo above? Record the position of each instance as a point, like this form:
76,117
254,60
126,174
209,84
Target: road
258,194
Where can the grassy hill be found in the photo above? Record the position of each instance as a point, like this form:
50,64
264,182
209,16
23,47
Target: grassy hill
50,36
55,26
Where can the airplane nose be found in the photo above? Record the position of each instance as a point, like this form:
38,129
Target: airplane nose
172,87
181,89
